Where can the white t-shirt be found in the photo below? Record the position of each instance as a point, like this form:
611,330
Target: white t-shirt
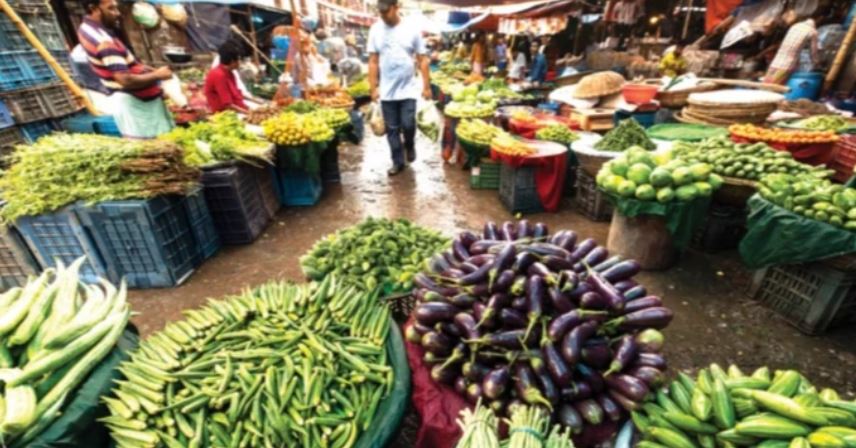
626,12
397,47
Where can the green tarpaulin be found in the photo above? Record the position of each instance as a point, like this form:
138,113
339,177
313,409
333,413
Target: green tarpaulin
76,427
304,157
682,218
776,236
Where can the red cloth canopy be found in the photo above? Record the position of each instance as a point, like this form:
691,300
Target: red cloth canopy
717,11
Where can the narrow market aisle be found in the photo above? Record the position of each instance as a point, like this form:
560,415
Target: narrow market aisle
714,319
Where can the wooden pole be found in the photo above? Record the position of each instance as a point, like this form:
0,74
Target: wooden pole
687,19
253,35
840,57
256,51
76,91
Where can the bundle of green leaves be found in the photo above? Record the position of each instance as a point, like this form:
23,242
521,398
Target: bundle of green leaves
222,138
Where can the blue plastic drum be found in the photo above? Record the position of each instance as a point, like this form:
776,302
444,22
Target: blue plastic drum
805,85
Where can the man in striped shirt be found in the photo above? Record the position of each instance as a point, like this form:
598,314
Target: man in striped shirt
134,88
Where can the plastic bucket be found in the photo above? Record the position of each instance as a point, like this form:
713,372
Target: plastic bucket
805,85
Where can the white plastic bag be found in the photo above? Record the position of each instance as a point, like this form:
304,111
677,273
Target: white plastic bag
428,120
375,115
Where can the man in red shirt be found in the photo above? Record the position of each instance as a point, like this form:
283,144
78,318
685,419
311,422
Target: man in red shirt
221,87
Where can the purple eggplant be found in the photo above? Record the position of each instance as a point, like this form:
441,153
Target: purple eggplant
413,335
474,371
527,387
590,410
511,339
643,303
467,268
656,317
478,276
503,282
468,238
459,250
593,301
479,311
519,303
438,264
512,319
650,340
559,370
450,329
507,231
610,407
655,360
635,293
436,343
572,343
462,300
625,353
482,247
577,293
433,296
494,306
540,230
653,377
547,250
468,325
604,288
432,359
495,382
556,263
562,324
453,273
534,301
523,260
460,385
543,271
548,386
623,401
559,301
596,256
591,376
570,418
474,393
596,355
566,239
607,264
518,287
490,232
568,280
583,249
622,271
629,386
429,313
480,260
524,229
443,375
578,390
624,285
477,290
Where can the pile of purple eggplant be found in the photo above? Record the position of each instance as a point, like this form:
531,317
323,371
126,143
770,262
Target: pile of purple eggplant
521,315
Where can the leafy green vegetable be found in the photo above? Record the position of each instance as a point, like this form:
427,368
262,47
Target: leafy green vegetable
628,133
557,133
222,138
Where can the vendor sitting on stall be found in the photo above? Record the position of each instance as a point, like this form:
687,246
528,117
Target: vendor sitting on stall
788,56
673,62
221,86
538,72
135,91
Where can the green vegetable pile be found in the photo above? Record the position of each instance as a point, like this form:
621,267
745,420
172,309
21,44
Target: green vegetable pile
742,160
813,198
280,365
301,107
529,427
824,123
54,331
222,138
336,119
638,174
729,408
557,133
628,133
685,132
359,89
468,102
61,169
375,252
477,131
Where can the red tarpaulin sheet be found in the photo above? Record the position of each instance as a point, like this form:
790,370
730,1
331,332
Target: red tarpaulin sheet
717,11
550,167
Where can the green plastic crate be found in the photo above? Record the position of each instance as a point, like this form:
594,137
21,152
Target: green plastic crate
485,176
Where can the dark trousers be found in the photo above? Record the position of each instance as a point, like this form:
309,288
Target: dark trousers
624,33
400,118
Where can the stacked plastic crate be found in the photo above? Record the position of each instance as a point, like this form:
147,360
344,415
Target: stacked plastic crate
32,97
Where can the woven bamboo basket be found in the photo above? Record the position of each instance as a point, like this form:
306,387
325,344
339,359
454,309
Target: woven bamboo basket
678,98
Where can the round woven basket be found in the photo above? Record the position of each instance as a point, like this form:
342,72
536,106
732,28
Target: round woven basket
735,192
591,163
678,98
599,84
736,113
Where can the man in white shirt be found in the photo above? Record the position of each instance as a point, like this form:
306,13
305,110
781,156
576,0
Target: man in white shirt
395,48
626,14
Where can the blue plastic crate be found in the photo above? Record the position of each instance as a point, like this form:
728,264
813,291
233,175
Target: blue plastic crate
297,188
202,225
106,124
148,242
6,118
85,123
235,201
16,261
14,72
33,131
11,36
60,236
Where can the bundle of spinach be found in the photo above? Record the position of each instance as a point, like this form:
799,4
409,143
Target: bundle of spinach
628,133
224,137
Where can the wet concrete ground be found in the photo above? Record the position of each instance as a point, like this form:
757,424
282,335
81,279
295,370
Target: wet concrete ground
714,319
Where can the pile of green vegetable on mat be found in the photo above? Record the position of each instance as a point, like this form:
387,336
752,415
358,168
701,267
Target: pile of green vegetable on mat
558,133
279,365
302,107
335,118
824,123
61,169
656,177
627,134
54,331
477,132
375,252
742,160
729,408
528,427
222,138
812,197
359,89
